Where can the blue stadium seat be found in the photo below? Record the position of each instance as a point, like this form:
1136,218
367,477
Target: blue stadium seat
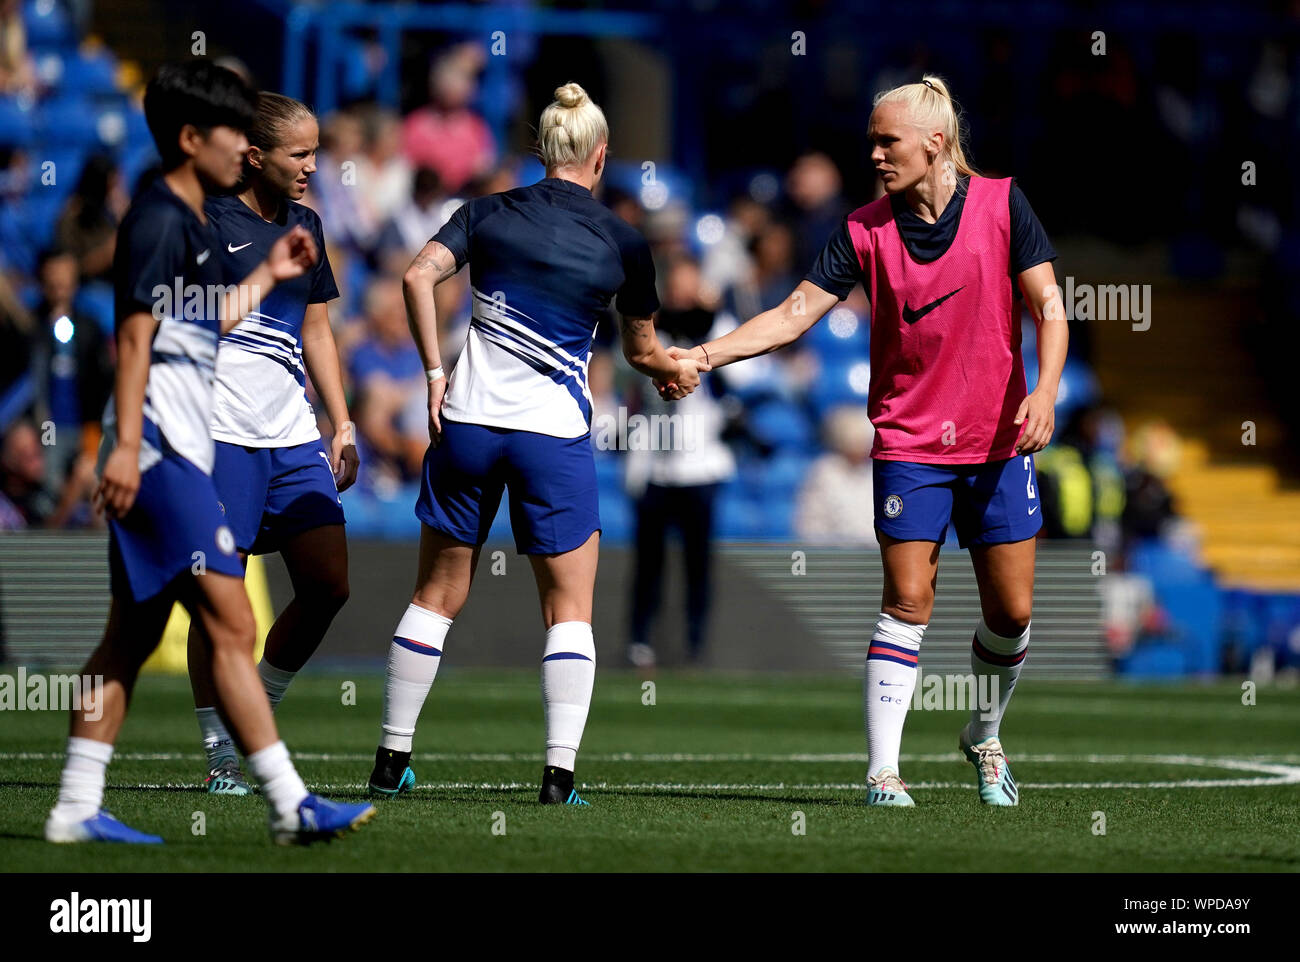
842,381
68,162
783,474
17,124
49,26
1155,660
782,425
68,121
737,516
95,300
841,334
617,517
40,214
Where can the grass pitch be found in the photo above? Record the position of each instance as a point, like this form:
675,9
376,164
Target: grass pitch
718,774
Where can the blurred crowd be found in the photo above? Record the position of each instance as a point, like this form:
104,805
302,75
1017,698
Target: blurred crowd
781,444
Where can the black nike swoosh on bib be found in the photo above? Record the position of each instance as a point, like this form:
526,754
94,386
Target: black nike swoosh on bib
912,316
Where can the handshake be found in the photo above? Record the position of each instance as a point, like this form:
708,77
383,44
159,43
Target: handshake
687,378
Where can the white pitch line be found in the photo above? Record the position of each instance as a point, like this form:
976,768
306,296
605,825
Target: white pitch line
777,786
1267,772
1245,762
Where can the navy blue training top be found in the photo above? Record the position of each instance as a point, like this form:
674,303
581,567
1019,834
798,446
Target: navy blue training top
546,262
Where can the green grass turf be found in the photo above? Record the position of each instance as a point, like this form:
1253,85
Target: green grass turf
481,734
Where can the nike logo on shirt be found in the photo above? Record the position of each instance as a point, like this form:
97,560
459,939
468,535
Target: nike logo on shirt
912,316
1033,509
234,250
202,257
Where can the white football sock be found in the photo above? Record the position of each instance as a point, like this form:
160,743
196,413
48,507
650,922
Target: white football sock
81,790
274,680
887,685
413,659
280,781
217,743
995,662
568,674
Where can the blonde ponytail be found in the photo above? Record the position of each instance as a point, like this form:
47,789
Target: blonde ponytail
571,128
929,106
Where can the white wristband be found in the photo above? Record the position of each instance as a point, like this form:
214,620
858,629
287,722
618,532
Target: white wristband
434,374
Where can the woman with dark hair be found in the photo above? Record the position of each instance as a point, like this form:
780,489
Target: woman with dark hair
88,225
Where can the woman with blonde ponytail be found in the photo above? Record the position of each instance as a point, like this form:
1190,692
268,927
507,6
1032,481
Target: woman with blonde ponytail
940,255
546,262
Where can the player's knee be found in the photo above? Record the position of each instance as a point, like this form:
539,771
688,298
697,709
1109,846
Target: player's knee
328,595
1011,622
234,631
912,604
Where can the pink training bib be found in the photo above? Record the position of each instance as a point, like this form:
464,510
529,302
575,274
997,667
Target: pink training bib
946,373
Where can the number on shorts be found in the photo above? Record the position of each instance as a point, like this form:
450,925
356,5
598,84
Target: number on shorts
1029,481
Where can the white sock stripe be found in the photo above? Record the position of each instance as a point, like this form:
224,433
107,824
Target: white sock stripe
422,625
898,632
570,638
1000,645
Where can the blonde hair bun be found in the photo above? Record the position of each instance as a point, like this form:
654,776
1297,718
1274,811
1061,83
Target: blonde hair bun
571,95
571,128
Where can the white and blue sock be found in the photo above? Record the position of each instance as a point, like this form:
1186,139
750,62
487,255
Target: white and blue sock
413,660
81,789
887,686
999,660
217,743
275,681
568,675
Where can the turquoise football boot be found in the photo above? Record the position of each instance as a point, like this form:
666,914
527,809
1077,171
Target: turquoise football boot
992,773
886,788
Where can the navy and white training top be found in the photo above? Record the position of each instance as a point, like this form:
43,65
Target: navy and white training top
166,264
261,390
546,261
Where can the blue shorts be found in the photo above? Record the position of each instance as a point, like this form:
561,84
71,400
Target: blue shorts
991,503
174,526
271,494
552,482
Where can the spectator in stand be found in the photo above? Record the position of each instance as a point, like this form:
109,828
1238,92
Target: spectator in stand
17,72
729,261
417,219
88,225
813,185
773,251
386,374
446,134
829,508
1148,506
71,363
383,174
335,193
674,476
26,501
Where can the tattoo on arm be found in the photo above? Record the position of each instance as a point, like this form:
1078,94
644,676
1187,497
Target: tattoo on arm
434,257
635,326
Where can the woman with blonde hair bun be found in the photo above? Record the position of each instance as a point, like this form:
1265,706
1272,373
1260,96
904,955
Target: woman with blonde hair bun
546,262
940,255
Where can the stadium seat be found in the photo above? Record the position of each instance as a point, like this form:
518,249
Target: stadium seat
782,425
69,121
843,380
49,26
17,123
95,300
